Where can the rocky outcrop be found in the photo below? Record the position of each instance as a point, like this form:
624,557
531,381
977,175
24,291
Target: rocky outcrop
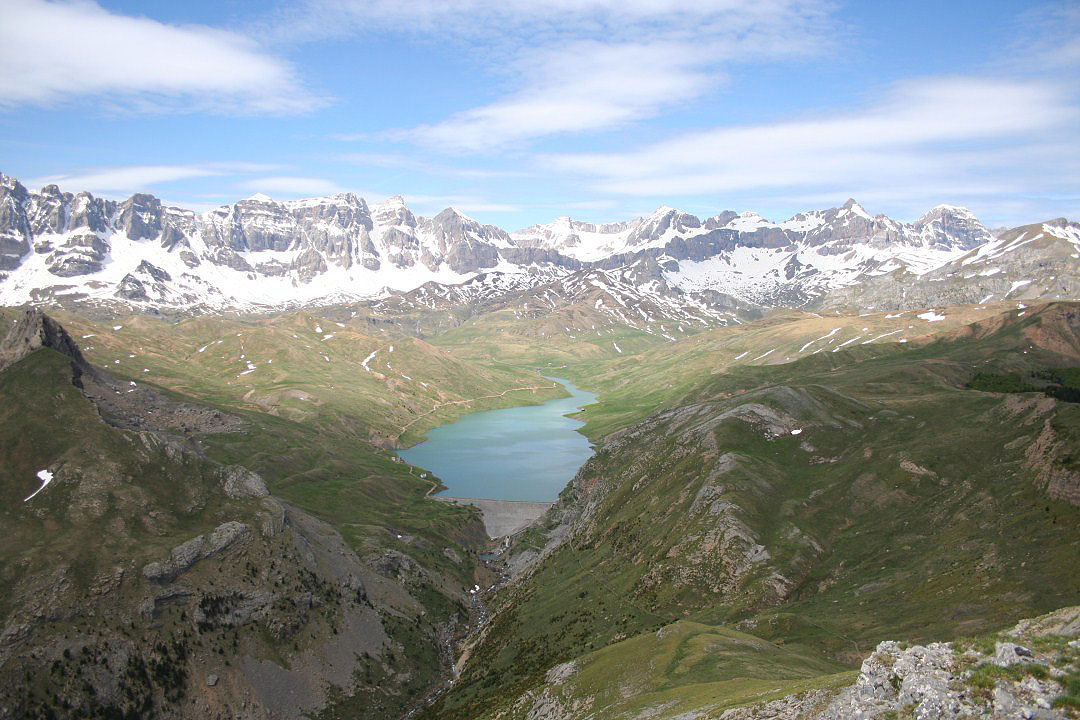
1046,457
198,548
1023,263
239,482
15,232
949,681
78,255
36,330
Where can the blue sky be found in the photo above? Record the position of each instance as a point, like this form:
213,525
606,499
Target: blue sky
517,112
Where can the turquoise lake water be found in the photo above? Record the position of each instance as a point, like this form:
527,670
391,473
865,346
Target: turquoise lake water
522,453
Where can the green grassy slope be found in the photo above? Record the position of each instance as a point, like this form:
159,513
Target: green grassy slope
683,667
907,505
307,368
636,386
71,561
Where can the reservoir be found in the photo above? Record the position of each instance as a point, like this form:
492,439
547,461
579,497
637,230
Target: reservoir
522,453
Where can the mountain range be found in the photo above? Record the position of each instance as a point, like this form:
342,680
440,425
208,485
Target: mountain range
830,443
260,254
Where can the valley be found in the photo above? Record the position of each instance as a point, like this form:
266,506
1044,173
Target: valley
305,512
487,360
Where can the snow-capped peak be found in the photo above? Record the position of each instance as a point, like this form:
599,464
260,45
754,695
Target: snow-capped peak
451,210
954,210
393,202
748,220
262,252
855,208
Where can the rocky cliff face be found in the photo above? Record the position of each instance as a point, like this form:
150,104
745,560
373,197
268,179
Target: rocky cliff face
58,247
1041,260
36,330
63,248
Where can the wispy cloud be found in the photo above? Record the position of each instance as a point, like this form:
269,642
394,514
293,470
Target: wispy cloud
589,86
127,179
54,52
424,165
292,186
512,21
1048,39
431,204
941,132
586,66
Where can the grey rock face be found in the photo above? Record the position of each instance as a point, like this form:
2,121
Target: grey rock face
309,264
892,678
464,244
140,217
949,226
934,681
1006,653
229,258
131,288
147,280
153,271
190,259
15,233
252,224
36,330
1028,262
539,256
239,482
661,223
79,255
272,517
186,554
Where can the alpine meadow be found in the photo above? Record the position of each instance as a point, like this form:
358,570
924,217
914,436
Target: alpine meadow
357,363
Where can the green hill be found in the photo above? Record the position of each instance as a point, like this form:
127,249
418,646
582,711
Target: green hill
156,575
823,505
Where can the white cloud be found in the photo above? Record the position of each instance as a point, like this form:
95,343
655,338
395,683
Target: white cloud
290,185
128,179
432,204
52,52
1048,38
589,86
124,180
423,164
580,66
530,22
945,132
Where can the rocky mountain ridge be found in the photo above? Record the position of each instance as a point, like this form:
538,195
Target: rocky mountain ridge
151,580
260,254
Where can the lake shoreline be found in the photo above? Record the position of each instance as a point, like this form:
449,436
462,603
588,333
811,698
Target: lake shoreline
520,454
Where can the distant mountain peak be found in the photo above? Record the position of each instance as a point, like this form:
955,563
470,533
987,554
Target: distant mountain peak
392,203
954,212
258,253
452,211
852,206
